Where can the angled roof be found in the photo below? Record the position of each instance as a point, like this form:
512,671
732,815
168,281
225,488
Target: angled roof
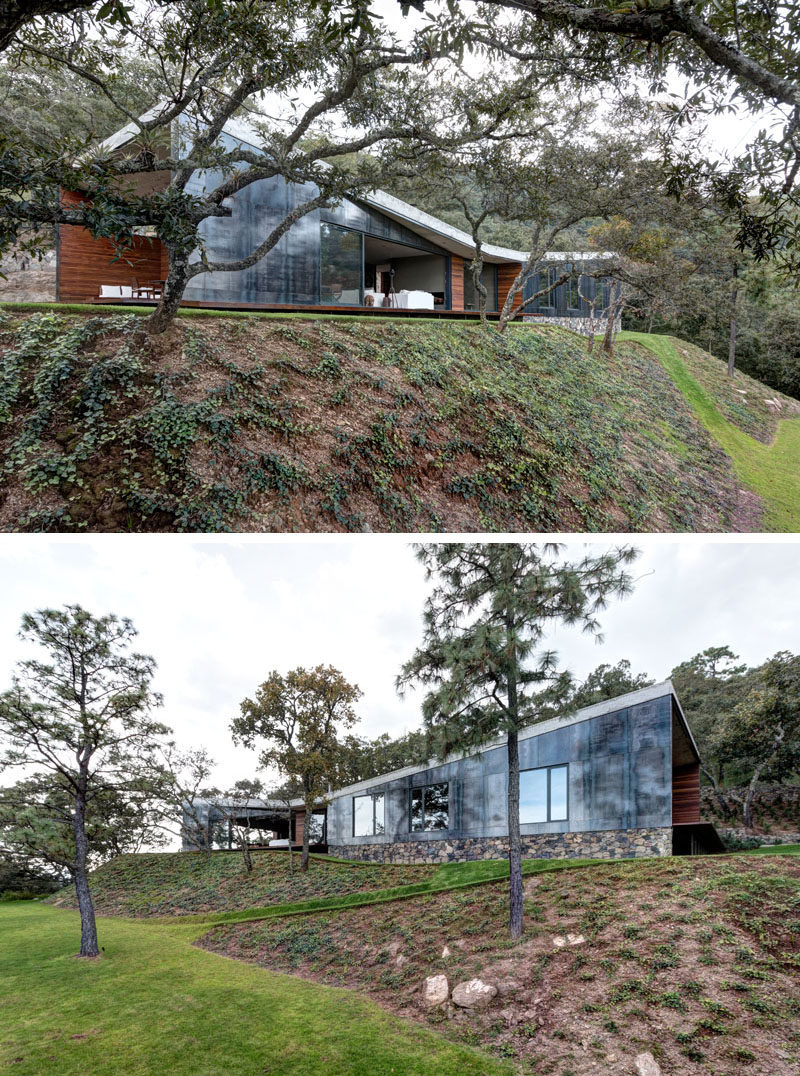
453,240
608,706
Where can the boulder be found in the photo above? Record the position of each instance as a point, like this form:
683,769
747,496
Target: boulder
473,994
435,990
646,1065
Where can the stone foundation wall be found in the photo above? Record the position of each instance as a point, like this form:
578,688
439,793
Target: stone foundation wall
577,325
598,844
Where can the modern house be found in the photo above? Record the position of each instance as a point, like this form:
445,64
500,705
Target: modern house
620,778
376,254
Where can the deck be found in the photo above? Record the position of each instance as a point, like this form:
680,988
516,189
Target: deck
287,308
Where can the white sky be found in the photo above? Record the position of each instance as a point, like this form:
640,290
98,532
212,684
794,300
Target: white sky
219,614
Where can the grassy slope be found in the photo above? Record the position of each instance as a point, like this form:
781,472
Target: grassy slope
771,470
694,960
216,889
153,1004
186,883
315,424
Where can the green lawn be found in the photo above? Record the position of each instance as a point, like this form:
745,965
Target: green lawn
155,1005
772,471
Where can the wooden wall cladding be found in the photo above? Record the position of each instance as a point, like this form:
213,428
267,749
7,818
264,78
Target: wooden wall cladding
506,275
457,282
686,794
85,263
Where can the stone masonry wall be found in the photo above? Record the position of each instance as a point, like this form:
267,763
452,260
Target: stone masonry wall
598,844
577,325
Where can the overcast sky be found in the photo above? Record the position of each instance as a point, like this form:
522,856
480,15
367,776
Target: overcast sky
219,614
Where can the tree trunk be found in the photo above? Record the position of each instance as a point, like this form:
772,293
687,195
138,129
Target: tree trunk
89,946
304,856
514,840
614,309
732,339
177,279
747,807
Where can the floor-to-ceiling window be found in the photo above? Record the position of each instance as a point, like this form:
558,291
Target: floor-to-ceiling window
489,281
341,261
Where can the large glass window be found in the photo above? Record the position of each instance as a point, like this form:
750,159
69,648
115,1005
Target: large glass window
368,815
429,807
316,828
341,261
489,281
543,794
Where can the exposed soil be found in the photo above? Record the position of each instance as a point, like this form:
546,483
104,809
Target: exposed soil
264,425
695,961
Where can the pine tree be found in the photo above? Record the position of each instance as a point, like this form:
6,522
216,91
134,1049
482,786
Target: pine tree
483,657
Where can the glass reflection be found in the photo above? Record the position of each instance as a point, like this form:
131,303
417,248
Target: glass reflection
340,266
533,796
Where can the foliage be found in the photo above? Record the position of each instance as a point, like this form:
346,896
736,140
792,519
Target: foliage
745,723
28,878
641,976
300,716
607,682
364,89
78,723
483,658
362,758
235,423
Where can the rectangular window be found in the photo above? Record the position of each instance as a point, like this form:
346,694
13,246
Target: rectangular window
341,263
368,816
429,807
543,794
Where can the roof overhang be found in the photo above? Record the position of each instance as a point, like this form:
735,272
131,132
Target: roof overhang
447,236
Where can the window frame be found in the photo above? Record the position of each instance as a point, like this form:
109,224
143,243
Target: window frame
370,796
423,789
549,769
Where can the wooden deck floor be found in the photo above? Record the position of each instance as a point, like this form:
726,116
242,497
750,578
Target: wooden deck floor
273,308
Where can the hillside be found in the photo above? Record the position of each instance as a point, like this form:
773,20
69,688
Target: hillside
183,883
694,961
299,423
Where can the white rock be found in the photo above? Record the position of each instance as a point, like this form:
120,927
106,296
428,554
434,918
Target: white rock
473,994
435,990
559,942
400,960
445,952
646,1065
576,939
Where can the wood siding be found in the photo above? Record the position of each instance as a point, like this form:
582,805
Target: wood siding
506,275
85,263
686,794
457,283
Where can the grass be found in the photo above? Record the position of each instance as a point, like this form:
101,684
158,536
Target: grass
154,1004
770,470
690,958
215,889
320,424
